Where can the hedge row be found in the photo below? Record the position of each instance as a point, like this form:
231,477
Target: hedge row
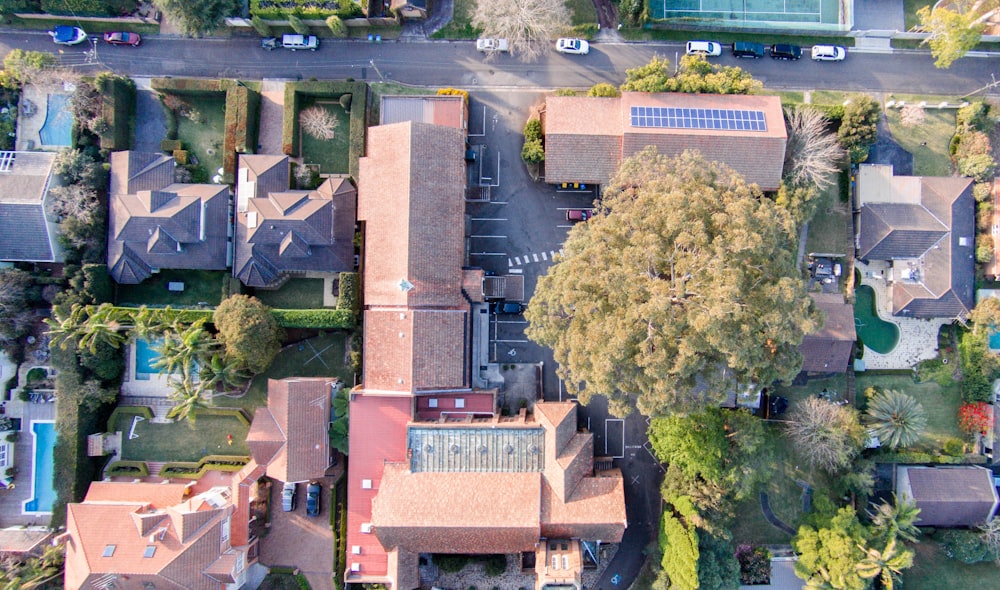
314,318
305,9
143,411
917,458
350,292
119,111
242,114
237,413
359,106
127,468
188,470
89,7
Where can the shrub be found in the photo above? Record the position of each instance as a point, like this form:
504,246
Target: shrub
532,152
858,128
965,546
350,292
454,92
263,29
336,26
982,191
314,318
979,166
450,563
975,418
143,411
533,130
603,89
131,468
345,101
755,564
954,447
297,25
496,565
973,116
237,413
170,145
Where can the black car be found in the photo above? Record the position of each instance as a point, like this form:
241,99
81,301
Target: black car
785,51
508,308
748,49
312,499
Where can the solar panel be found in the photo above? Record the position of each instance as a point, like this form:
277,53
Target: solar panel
687,118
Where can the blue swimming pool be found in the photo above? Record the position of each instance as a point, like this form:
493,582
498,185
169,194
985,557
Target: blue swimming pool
43,494
145,356
58,127
995,341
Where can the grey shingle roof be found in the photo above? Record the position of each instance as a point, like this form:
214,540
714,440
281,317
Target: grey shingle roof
24,236
949,496
828,350
24,182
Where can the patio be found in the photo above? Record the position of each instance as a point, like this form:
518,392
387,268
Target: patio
34,114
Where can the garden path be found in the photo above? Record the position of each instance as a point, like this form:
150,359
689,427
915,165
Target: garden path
272,109
765,507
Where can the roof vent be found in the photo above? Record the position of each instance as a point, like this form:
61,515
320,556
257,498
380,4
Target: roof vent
405,285
366,527
533,449
456,449
429,448
366,484
356,549
483,449
509,449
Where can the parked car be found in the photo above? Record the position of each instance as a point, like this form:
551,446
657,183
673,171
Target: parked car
573,46
748,49
508,308
312,499
491,45
269,43
67,35
707,48
829,53
122,38
576,215
288,497
785,51
296,42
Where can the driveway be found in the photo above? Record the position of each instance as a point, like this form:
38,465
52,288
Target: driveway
301,541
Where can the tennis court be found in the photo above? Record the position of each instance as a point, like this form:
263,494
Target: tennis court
807,13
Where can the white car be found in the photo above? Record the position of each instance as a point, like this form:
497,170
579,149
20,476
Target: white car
708,48
829,53
573,46
491,45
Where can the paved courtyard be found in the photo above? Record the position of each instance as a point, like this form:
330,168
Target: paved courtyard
297,540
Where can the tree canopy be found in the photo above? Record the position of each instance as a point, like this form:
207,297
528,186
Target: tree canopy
694,74
528,25
681,288
955,29
829,553
197,17
826,434
249,331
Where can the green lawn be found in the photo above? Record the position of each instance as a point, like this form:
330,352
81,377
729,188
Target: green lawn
582,12
199,286
796,393
828,227
332,155
182,441
933,570
932,159
940,404
205,133
750,526
300,360
295,294
829,97
460,26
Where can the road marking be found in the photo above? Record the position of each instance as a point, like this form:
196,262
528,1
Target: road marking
489,219
515,271
488,237
514,341
487,253
517,260
544,257
535,256
635,480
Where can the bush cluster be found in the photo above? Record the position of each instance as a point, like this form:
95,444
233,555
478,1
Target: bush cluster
132,468
858,127
971,145
315,318
533,151
89,7
306,9
350,292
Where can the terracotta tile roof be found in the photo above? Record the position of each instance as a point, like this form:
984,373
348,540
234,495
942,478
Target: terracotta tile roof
412,197
828,350
279,231
416,350
949,496
594,511
445,110
243,486
926,227
439,513
157,495
377,435
24,184
291,438
586,138
162,224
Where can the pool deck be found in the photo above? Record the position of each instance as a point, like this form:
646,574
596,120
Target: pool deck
918,338
28,127
12,500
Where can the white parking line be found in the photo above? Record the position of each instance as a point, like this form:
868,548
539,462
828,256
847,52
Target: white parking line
517,260
489,219
544,257
489,237
487,253
535,256
515,271
512,341
606,452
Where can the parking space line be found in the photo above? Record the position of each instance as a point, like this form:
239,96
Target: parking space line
512,321
511,341
564,226
487,253
489,219
488,237
515,271
517,260
535,256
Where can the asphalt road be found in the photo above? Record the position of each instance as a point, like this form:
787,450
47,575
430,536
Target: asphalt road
447,63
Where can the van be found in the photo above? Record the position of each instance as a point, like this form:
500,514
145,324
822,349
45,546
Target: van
748,49
785,51
295,42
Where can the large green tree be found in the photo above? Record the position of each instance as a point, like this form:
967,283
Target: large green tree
830,553
197,17
895,418
682,288
249,331
694,74
859,127
17,290
954,29
679,548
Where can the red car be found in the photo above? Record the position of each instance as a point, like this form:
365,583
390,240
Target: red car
122,38
577,215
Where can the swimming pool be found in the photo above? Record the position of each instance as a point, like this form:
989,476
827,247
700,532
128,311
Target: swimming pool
58,126
876,333
995,341
145,356
43,494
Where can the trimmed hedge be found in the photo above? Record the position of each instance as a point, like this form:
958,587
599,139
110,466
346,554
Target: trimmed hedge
305,9
143,411
89,7
237,413
350,292
127,468
917,458
119,111
358,115
314,318
188,470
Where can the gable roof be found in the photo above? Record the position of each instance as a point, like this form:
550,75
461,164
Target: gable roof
926,227
586,138
290,436
828,350
416,350
446,110
279,231
411,197
19,541
27,234
155,223
949,496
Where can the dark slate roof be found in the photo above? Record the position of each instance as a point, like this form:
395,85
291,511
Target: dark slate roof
25,236
280,230
950,496
935,230
24,182
828,350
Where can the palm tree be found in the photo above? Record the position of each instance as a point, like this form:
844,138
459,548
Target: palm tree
887,564
898,518
35,572
218,373
172,356
896,418
104,325
63,329
188,397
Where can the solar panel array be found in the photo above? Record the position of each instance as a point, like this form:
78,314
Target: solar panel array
682,118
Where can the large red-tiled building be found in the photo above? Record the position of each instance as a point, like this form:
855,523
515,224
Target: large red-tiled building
434,468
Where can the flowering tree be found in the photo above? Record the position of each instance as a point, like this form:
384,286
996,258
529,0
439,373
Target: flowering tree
975,418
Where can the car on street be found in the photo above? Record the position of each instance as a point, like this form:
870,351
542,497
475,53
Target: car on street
312,499
269,43
785,51
288,497
296,42
577,215
508,308
573,46
491,45
707,48
829,53
122,38
67,35
749,49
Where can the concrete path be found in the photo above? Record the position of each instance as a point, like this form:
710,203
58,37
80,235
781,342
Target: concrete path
272,112
765,507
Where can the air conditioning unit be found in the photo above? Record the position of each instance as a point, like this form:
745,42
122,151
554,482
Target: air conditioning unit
366,527
459,403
